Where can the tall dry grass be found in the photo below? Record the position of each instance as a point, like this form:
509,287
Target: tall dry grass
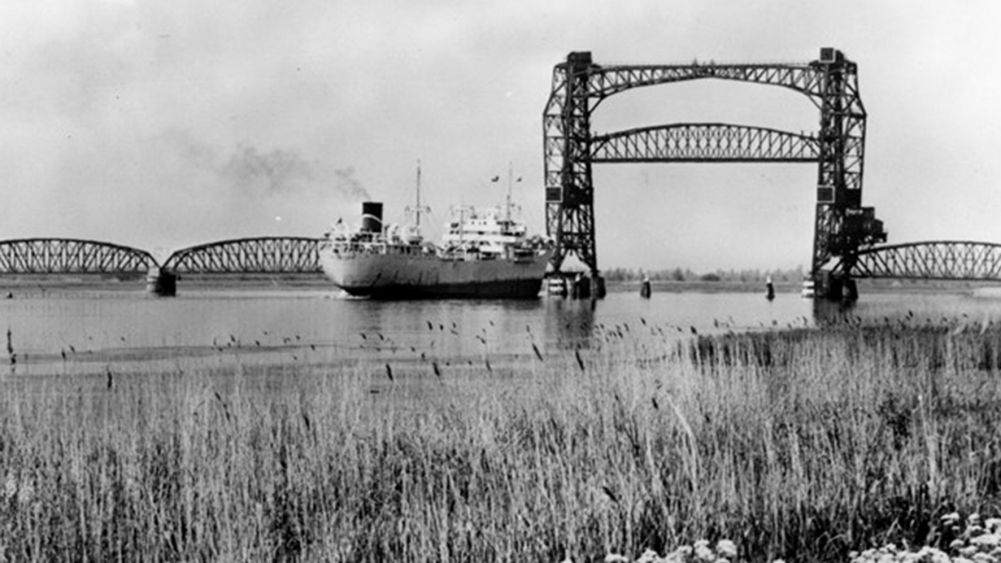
794,444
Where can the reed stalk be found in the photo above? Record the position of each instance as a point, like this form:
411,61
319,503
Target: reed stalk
799,444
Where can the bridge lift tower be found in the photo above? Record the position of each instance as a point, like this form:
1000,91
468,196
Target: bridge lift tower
842,225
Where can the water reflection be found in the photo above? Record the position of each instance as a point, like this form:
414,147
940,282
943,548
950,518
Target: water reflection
447,328
288,326
913,307
827,313
570,322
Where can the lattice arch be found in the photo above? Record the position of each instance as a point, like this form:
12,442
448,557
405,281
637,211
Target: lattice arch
263,255
935,260
71,256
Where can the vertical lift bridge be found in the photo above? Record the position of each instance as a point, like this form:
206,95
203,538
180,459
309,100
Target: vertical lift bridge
842,225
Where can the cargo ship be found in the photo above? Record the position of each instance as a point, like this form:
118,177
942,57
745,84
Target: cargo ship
482,255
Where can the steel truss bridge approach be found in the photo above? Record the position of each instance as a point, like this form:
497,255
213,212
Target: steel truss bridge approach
940,260
263,255
845,232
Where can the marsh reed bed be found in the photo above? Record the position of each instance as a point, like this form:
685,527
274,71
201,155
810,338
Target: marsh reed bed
800,444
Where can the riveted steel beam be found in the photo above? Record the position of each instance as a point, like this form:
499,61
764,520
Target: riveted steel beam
71,256
704,142
262,255
933,260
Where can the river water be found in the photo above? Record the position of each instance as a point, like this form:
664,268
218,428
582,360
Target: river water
67,331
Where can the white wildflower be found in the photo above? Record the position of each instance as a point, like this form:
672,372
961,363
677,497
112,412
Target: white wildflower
928,554
956,544
703,553
648,556
726,549
973,519
939,556
950,518
679,555
616,558
986,540
25,493
10,487
887,558
968,550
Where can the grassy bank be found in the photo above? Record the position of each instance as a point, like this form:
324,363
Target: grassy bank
802,444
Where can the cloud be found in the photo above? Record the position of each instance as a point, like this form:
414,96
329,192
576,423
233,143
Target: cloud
166,123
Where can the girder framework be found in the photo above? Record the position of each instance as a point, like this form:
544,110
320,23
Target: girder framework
264,255
842,225
71,256
612,79
704,142
937,260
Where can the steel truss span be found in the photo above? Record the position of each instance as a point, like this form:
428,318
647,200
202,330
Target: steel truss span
704,142
265,255
71,256
570,149
934,260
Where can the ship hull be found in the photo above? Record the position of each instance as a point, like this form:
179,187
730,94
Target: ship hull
427,276
508,289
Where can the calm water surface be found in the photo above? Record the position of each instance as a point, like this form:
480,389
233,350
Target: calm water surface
75,331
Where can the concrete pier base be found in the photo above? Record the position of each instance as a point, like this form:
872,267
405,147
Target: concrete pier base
161,282
576,286
836,288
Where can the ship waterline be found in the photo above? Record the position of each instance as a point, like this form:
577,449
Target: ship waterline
386,276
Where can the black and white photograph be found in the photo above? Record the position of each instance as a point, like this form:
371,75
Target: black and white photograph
651,281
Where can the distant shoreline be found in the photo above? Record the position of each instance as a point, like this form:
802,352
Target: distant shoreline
13,283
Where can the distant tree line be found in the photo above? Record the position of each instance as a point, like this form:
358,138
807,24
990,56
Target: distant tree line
677,274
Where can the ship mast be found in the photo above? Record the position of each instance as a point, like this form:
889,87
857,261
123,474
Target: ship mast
418,208
507,202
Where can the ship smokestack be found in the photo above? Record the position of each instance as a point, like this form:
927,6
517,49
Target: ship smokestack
371,217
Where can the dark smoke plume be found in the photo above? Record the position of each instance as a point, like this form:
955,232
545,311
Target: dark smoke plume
349,186
250,171
273,171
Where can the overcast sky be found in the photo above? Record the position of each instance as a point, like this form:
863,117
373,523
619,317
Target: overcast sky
163,124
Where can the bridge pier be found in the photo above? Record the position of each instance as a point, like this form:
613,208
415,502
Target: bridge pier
161,282
578,286
835,287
